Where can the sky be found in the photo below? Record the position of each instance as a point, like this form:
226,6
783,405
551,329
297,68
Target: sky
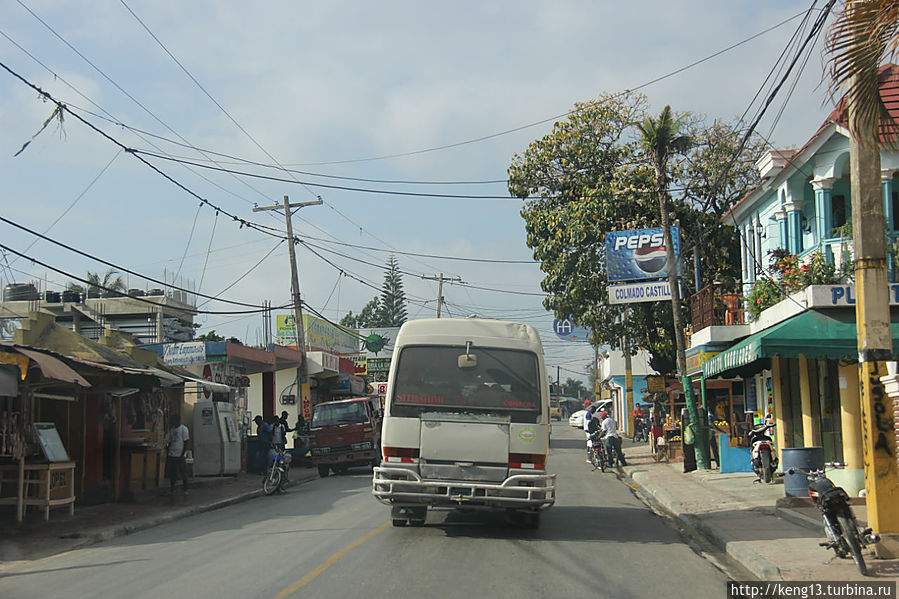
400,97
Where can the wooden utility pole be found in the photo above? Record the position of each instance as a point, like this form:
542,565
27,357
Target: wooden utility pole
302,369
441,279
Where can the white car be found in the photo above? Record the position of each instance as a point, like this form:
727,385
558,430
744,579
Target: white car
577,419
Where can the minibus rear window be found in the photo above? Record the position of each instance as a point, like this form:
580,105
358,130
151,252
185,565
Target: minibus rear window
500,381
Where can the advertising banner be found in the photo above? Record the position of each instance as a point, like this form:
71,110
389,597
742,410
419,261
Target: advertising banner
360,364
639,254
179,354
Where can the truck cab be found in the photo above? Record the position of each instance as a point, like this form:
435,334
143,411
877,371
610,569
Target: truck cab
466,422
345,433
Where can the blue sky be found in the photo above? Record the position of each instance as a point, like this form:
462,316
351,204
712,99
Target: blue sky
324,88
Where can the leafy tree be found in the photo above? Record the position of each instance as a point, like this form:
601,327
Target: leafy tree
591,178
367,318
388,310
109,282
573,387
210,336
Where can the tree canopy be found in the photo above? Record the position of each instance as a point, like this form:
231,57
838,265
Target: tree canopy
386,310
591,176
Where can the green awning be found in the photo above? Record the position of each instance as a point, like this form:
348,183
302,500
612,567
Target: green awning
812,334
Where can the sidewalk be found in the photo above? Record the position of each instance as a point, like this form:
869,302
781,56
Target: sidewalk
34,538
775,540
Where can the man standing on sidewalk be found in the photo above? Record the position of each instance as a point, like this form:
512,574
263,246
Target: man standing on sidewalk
179,439
613,441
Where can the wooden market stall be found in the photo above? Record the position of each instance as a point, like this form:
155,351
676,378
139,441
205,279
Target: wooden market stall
36,391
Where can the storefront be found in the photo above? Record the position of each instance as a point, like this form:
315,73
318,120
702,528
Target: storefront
802,374
39,422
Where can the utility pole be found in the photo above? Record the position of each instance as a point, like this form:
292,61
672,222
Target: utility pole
872,314
302,369
441,279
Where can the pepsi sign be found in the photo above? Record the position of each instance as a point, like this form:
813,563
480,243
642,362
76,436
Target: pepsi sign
639,254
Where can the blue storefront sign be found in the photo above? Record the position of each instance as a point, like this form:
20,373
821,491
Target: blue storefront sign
639,254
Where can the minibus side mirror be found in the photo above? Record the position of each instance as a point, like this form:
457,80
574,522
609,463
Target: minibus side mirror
468,361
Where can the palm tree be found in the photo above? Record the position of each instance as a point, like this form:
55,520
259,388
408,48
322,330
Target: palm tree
109,282
663,138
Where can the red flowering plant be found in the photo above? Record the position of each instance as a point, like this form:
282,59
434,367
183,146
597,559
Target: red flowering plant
786,276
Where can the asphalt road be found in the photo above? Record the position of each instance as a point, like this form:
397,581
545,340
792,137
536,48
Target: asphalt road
329,538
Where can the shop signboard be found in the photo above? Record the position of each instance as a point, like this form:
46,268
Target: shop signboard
360,364
320,334
828,296
639,254
376,365
378,342
180,354
646,291
655,383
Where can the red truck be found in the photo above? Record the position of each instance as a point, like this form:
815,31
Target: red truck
346,433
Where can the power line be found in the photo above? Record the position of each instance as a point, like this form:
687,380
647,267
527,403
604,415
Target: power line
137,298
116,266
558,116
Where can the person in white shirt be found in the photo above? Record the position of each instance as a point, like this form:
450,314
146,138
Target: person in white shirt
587,416
613,441
179,441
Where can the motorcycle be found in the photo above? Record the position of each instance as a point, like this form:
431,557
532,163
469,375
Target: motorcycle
598,456
641,431
840,526
762,454
276,475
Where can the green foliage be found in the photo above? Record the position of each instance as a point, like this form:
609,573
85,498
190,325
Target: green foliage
591,178
388,310
573,387
392,304
789,276
210,336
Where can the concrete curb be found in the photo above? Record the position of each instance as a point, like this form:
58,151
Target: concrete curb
748,558
147,523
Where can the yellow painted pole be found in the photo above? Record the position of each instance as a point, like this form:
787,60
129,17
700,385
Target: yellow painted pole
851,417
872,312
780,424
811,433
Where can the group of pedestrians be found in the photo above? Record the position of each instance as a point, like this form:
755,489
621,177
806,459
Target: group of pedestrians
272,435
606,424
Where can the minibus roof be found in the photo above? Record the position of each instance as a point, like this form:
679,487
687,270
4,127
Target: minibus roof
480,331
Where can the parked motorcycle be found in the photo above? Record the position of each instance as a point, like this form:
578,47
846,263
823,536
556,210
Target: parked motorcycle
840,525
762,454
276,475
598,456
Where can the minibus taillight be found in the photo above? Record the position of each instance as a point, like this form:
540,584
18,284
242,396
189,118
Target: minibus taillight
405,455
527,461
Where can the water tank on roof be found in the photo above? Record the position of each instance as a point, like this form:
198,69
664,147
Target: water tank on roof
136,292
70,295
156,292
17,292
51,297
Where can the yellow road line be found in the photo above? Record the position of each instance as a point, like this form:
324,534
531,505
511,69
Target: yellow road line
328,563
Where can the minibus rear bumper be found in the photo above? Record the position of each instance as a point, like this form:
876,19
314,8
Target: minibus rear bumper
403,486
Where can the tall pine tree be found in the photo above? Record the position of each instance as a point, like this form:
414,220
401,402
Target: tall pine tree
392,305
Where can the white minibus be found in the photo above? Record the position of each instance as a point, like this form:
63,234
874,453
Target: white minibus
466,421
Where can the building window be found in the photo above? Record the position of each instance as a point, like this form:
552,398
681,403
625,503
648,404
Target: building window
839,210
895,206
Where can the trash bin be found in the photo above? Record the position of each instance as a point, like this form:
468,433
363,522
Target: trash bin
253,464
807,458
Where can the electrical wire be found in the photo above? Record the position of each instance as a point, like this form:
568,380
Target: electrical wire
137,298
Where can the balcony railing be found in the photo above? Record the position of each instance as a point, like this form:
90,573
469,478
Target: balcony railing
712,306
